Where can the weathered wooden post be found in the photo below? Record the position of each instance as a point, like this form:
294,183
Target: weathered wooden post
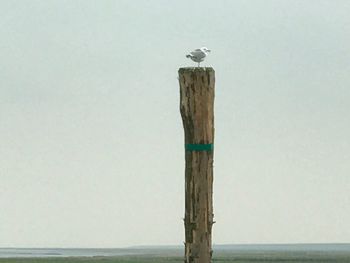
197,111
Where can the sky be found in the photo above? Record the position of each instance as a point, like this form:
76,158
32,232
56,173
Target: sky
91,138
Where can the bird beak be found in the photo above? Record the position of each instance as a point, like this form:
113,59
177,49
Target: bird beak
208,50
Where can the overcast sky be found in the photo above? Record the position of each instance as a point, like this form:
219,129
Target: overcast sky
91,149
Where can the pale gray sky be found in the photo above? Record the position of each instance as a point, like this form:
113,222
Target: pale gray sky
91,150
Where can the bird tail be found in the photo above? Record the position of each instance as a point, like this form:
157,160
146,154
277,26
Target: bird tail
188,56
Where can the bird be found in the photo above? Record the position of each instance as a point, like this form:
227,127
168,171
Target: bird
198,55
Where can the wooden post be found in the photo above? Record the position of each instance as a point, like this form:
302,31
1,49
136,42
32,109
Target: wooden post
197,111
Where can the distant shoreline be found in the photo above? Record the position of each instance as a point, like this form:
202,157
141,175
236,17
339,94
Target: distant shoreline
174,251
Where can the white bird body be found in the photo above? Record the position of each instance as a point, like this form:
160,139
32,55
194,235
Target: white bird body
198,55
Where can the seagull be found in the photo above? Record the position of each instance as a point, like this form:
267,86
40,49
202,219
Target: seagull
198,55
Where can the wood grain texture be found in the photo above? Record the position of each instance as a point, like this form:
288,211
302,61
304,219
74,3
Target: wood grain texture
197,111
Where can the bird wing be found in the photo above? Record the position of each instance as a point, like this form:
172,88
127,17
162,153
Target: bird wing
199,54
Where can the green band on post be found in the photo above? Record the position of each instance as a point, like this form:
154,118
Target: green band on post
199,147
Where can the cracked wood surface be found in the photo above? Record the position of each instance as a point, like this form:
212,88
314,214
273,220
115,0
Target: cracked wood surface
197,111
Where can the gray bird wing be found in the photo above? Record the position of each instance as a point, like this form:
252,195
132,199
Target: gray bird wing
198,54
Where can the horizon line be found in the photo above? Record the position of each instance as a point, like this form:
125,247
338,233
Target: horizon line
178,245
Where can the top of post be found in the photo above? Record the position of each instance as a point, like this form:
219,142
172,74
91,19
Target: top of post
195,69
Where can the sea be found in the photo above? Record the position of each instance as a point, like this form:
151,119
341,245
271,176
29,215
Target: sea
64,252
164,250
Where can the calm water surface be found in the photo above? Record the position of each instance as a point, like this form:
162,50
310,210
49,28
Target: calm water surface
164,250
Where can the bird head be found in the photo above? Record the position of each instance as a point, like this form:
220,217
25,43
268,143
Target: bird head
205,50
